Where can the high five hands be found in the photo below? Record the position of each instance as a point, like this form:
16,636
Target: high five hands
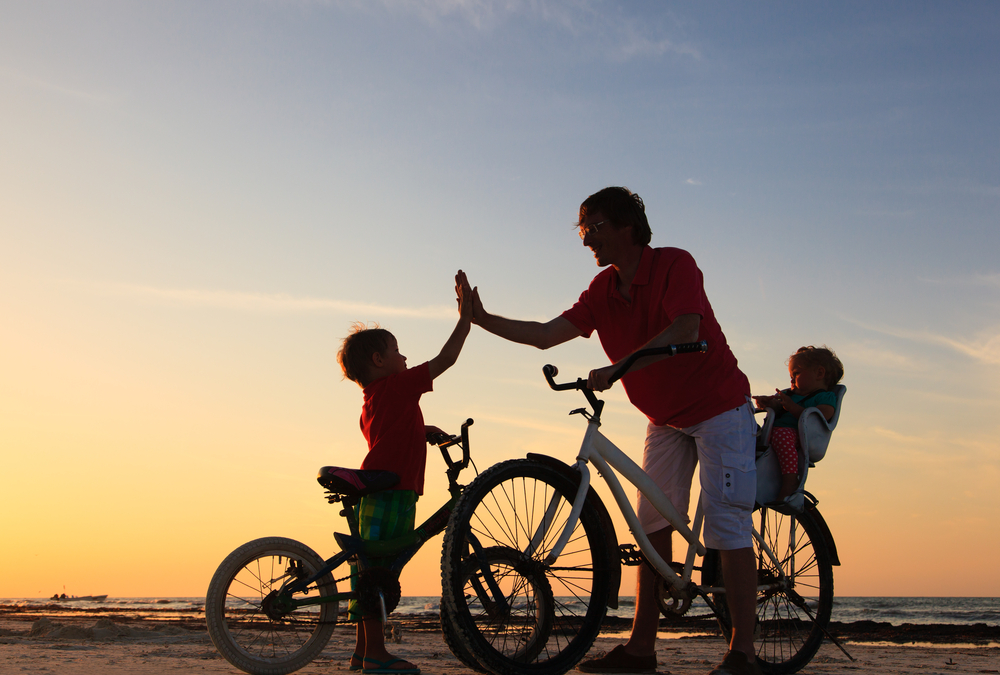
465,293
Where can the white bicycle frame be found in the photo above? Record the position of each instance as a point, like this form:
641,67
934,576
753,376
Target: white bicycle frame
605,455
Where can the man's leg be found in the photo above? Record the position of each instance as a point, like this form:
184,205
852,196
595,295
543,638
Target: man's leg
669,458
739,571
728,484
642,641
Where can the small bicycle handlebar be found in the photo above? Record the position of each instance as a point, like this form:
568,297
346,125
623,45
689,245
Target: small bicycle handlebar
445,441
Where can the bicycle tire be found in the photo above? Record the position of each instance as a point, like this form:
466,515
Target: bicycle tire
456,644
786,637
239,597
502,510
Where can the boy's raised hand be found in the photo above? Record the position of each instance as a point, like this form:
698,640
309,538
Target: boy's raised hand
468,298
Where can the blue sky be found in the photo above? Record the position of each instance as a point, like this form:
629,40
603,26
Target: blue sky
197,199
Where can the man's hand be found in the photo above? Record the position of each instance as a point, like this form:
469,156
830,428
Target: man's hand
464,292
598,379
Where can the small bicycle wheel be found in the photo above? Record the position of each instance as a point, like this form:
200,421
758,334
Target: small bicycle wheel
794,596
500,533
246,618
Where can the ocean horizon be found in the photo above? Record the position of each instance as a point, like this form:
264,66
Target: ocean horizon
895,610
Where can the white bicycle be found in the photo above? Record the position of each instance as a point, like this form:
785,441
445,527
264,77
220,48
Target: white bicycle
531,560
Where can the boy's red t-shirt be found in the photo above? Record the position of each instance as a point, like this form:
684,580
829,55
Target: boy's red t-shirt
394,426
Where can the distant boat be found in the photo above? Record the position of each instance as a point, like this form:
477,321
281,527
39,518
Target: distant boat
79,598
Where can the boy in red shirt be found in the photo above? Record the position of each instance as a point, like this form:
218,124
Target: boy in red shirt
394,427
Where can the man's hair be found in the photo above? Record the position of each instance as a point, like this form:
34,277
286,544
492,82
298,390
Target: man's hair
623,208
821,356
355,355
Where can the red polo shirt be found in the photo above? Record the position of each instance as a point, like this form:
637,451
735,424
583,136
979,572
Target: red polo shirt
394,426
680,391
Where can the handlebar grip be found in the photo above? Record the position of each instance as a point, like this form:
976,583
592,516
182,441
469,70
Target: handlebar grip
690,347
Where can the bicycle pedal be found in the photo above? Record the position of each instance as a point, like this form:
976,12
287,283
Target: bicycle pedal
392,632
630,555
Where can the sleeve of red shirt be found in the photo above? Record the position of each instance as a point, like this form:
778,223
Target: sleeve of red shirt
685,288
580,315
417,380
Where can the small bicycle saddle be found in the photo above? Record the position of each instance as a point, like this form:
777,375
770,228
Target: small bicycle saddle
355,482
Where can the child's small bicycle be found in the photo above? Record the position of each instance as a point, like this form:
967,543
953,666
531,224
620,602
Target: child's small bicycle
562,561
272,604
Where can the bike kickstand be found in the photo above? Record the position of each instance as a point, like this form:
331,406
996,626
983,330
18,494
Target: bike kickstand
827,633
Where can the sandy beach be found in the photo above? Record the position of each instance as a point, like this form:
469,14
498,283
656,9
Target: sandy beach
37,642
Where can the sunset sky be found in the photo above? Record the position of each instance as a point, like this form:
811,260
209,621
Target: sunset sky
197,199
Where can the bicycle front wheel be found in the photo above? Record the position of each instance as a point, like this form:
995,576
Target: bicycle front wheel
246,617
795,594
516,613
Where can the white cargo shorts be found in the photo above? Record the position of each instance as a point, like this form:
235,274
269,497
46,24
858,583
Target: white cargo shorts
724,445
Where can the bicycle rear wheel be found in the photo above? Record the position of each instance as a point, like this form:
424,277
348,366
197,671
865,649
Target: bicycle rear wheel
503,527
794,596
245,620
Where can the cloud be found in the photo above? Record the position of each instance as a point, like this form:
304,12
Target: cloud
625,37
692,181
44,85
271,302
866,354
984,347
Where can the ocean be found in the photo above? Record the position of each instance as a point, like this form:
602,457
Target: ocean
896,611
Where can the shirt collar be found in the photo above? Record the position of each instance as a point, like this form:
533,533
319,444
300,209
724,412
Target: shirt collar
642,273
645,267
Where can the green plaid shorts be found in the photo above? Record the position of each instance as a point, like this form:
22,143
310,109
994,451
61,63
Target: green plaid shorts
383,515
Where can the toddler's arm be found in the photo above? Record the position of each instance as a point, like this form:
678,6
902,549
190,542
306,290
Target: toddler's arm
453,347
796,409
767,402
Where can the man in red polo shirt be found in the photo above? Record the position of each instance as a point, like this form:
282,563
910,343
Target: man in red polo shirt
698,406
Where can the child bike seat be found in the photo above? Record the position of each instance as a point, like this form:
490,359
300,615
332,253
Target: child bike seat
355,482
814,438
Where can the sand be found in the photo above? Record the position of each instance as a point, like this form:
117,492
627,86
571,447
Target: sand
112,645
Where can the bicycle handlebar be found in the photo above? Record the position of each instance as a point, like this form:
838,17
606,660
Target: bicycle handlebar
669,350
445,441
551,371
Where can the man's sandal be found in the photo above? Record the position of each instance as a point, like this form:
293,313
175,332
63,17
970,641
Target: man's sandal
737,663
385,668
620,661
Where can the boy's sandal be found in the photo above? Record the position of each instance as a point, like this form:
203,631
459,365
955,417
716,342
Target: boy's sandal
358,657
384,668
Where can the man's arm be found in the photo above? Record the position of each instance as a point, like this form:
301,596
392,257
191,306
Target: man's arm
682,329
534,333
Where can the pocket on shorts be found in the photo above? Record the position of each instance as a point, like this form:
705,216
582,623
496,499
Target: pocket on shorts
739,478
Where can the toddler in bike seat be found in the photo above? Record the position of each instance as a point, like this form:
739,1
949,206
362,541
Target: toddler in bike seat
814,372
394,428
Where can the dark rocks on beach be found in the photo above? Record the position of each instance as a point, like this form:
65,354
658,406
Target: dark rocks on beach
940,633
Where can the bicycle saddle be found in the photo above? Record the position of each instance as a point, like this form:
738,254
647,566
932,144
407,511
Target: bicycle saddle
355,482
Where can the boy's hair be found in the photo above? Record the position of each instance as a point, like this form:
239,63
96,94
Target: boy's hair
355,355
623,208
821,356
